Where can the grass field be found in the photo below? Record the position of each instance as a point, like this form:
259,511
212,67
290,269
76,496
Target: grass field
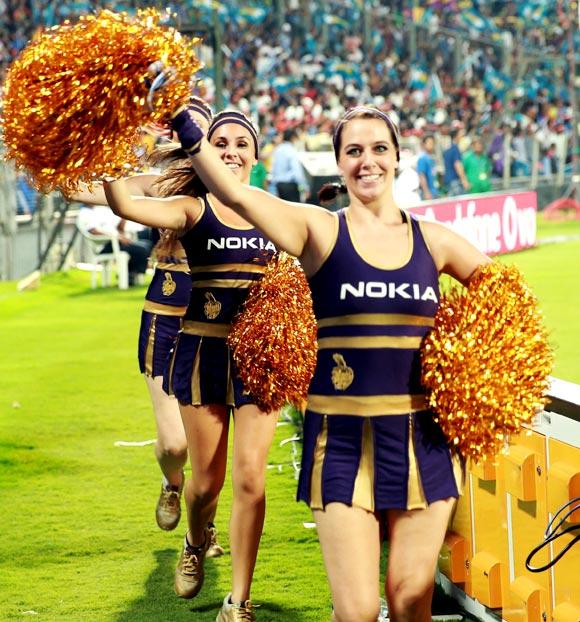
78,540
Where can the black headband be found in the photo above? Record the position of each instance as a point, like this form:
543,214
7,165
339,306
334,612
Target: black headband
233,116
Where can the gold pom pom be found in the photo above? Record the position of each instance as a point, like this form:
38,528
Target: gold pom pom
487,360
76,96
273,338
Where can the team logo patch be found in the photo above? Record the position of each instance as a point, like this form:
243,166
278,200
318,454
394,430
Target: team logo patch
342,375
212,307
169,285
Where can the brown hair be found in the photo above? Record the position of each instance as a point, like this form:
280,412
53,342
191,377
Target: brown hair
329,192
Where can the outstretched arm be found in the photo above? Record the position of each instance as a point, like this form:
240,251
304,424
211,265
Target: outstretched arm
140,185
177,213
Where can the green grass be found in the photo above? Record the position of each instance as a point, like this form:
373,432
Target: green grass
552,271
78,540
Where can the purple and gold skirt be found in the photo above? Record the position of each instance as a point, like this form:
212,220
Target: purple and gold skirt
157,333
378,462
201,369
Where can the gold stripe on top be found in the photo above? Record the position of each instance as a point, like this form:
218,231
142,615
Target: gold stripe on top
366,405
373,341
172,267
229,267
159,309
237,283
316,502
364,485
376,319
205,329
195,382
415,495
149,348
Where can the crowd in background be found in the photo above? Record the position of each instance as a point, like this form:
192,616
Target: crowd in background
488,69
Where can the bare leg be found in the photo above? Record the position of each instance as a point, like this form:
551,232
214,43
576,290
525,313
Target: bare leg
415,539
253,434
350,541
206,428
171,444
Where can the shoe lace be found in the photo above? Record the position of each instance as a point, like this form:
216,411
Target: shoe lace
212,536
245,613
170,500
190,563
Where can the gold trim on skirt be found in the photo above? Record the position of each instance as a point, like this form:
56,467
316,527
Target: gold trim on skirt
160,309
205,329
366,405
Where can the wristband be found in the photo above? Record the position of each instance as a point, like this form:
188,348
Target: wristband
187,130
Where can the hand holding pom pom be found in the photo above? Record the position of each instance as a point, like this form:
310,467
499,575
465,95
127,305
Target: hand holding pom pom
188,130
487,360
83,88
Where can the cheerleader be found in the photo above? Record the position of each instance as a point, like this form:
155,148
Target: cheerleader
225,254
166,300
372,452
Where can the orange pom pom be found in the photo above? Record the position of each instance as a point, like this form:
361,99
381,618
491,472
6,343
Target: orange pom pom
76,96
273,338
487,360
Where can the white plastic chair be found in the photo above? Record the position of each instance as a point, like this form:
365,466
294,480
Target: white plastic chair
106,263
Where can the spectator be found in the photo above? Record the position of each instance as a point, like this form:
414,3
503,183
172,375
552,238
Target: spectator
455,179
287,177
259,174
496,151
521,161
99,220
426,169
477,168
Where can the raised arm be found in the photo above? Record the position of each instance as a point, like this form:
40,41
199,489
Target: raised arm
291,226
177,213
140,185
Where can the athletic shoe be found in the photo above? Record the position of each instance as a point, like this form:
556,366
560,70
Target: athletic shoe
168,511
230,612
189,573
384,612
214,549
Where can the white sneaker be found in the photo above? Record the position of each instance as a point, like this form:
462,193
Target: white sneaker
232,612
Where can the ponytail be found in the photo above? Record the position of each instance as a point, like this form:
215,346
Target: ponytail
329,192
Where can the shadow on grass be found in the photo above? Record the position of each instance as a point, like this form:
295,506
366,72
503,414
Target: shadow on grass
160,604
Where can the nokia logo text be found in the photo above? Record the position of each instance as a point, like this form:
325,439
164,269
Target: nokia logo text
376,289
237,243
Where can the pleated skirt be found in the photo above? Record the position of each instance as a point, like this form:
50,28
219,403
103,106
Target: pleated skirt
157,335
201,371
377,463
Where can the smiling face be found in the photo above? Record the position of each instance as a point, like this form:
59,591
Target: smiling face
235,146
367,158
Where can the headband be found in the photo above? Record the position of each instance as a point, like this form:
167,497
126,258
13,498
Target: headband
233,116
375,112
198,105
